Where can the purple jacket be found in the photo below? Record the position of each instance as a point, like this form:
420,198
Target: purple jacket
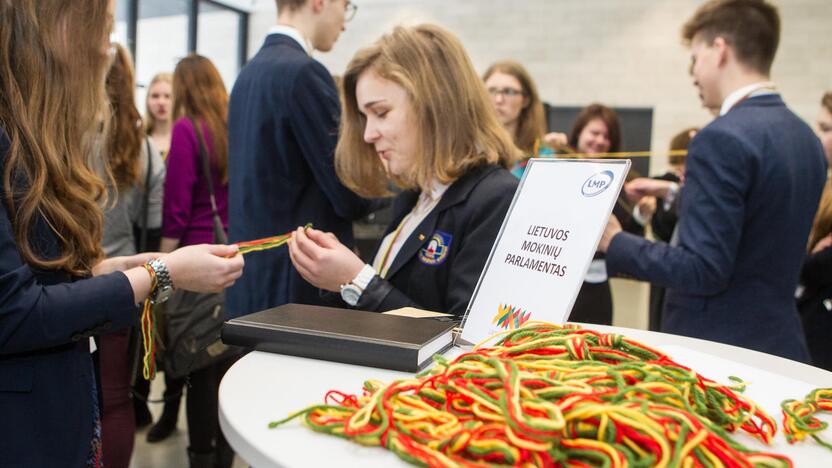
186,212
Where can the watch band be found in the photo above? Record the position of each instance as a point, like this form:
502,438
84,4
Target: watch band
164,284
363,278
352,291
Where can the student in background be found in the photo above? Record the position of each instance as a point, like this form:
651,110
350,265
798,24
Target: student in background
157,125
158,121
815,294
56,287
200,109
283,126
597,131
663,215
416,114
521,112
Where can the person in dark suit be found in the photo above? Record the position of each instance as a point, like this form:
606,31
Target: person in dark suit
282,129
752,184
56,292
814,300
416,114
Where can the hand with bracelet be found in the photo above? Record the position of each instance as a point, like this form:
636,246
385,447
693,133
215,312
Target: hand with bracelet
199,268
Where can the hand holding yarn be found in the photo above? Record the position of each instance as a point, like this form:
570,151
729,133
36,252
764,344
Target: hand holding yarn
204,267
322,260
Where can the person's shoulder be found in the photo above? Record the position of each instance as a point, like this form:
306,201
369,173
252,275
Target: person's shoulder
283,53
494,182
722,131
275,63
183,124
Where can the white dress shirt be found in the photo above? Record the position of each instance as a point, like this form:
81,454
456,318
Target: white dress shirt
754,89
294,34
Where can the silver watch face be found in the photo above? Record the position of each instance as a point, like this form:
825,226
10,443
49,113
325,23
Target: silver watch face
350,294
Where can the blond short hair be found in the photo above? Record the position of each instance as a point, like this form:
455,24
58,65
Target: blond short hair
456,126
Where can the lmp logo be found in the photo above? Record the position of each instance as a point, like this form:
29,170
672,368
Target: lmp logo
509,317
596,184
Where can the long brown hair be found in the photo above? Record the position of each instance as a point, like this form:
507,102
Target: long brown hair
198,93
531,123
52,66
124,139
149,118
822,225
456,123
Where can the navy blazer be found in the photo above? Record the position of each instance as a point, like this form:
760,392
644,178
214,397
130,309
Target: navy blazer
282,130
46,373
439,265
752,184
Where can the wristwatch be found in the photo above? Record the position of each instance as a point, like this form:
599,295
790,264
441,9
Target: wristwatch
164,285
351,292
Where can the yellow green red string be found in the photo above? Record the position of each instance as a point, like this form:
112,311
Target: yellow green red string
550,395
267,242
148,325
799,419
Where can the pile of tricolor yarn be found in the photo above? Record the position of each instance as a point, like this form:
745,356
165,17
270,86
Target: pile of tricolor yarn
799,419
550,395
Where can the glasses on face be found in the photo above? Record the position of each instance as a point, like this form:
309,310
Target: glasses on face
505,92
349,10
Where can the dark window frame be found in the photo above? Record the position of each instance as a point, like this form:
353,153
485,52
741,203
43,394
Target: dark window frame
193,15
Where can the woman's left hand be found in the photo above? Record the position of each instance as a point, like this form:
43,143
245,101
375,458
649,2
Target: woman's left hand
322,260
109,265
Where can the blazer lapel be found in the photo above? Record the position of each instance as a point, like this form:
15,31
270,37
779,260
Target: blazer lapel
414,242
456,193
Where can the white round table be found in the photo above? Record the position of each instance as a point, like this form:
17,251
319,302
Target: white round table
263,387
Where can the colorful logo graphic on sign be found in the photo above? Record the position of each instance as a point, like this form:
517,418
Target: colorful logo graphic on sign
509,317
437,249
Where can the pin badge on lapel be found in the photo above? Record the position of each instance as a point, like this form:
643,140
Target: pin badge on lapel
436,250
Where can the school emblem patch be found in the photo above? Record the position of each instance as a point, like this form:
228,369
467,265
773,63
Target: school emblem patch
436,251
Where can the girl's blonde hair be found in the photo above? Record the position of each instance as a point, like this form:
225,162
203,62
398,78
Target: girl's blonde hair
149,118
456,125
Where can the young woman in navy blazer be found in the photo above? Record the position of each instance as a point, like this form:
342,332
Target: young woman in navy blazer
417,115
55,290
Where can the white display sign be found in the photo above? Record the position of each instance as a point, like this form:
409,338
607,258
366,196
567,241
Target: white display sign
548,238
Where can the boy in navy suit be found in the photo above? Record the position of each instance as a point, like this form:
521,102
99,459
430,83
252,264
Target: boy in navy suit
282,129
752,184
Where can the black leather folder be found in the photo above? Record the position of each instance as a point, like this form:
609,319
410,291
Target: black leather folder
342,335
